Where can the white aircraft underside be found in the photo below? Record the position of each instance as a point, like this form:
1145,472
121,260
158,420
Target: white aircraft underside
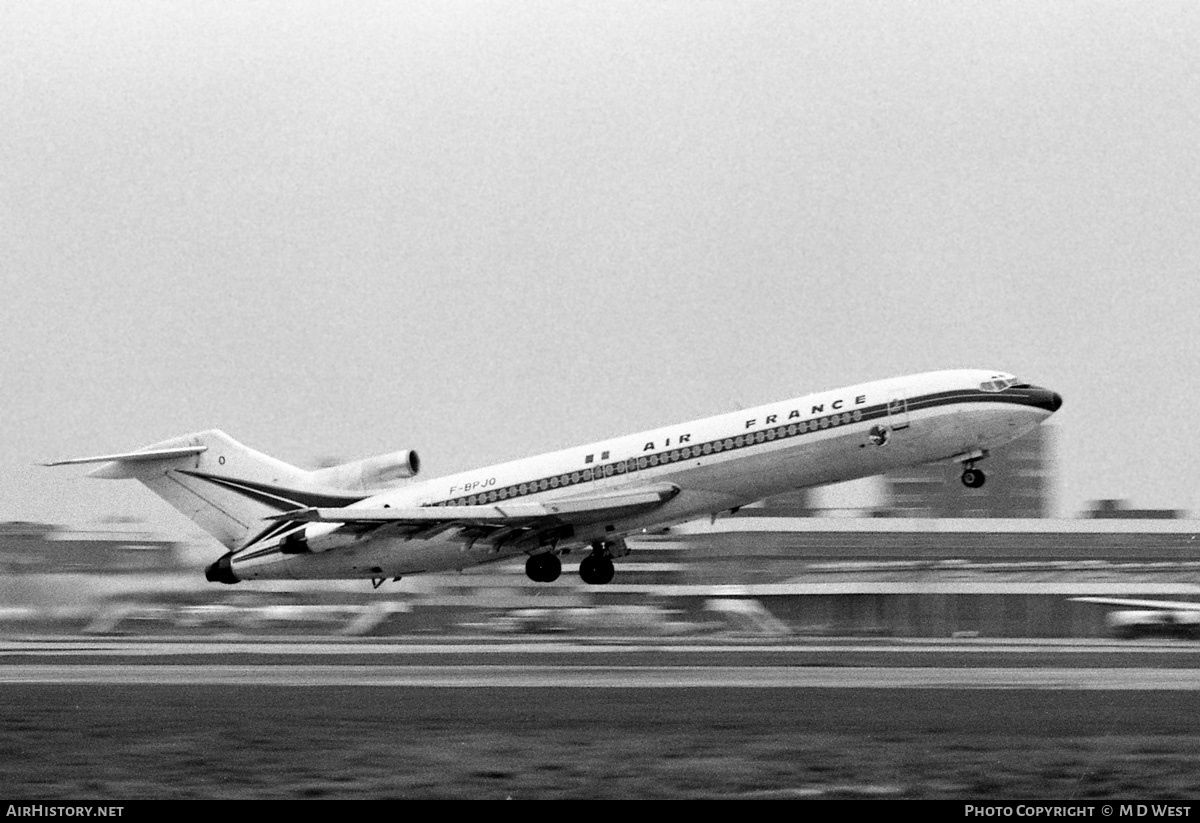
369,519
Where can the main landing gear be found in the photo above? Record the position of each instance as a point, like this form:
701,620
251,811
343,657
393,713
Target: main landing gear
596,569
543,568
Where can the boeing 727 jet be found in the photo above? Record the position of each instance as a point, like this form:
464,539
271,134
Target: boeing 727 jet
374,519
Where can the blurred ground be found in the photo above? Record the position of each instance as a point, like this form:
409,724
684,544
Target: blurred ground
67,742
121,743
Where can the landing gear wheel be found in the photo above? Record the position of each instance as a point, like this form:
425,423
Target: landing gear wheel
596,570
973,478
543,568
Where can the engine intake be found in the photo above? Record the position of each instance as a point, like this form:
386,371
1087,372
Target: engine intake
221,571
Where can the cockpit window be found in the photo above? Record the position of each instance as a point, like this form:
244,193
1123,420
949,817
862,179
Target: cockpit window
998,384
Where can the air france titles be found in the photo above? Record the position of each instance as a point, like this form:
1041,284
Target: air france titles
798,414
681,440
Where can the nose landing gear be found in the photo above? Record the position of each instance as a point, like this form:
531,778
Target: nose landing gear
973,478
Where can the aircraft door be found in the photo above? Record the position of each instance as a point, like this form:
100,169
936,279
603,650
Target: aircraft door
897,409
603,473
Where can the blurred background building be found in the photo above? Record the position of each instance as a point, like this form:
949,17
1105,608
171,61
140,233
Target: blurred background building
1122,510
1019,484
40,548
801,503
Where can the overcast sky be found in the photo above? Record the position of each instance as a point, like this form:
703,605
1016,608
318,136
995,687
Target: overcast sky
487,230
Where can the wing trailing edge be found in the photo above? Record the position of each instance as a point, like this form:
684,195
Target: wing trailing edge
567,509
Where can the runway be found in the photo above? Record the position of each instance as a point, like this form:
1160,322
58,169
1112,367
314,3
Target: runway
560,663
435,717
591,677
553,645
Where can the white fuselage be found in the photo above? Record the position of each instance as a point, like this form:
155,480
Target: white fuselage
717,463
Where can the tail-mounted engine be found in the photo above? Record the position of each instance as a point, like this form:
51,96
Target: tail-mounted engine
371,473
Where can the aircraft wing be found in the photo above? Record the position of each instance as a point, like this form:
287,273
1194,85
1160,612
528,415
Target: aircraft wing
1171,605
571,510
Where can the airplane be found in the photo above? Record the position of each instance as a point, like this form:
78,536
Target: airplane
372,519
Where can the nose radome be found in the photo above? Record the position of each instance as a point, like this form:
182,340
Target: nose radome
1046,399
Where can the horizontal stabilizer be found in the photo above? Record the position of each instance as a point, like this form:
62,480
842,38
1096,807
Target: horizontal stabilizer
134,457
567,509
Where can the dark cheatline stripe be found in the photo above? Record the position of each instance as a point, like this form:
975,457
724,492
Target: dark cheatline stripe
273,530
264,552
277,497
946,398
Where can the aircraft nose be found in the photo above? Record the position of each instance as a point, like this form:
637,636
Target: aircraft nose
1046,399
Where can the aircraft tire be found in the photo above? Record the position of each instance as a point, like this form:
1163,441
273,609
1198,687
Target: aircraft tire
973,478
596,571
543,568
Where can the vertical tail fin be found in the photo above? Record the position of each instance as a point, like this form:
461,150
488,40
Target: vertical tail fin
224,487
